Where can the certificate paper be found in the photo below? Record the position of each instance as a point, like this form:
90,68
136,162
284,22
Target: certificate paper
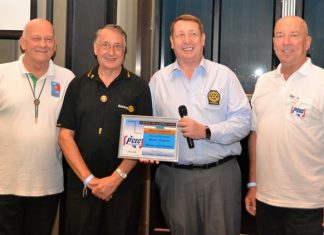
148,137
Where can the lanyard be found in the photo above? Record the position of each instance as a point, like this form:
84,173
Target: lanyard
36,100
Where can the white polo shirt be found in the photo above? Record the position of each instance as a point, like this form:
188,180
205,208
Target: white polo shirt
30,158
288,117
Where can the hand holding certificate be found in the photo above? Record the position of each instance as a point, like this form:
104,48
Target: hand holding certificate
154,138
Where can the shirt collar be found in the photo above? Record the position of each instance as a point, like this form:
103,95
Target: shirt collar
124,74
303,70
49,74
176,70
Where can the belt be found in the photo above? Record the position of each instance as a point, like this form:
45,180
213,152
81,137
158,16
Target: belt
201,166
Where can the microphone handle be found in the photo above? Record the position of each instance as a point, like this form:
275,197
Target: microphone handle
190,143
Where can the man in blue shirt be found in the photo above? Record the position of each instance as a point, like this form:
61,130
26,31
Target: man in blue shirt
201,194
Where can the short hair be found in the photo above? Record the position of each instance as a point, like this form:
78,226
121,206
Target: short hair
187,17
37,21
113,27
296,18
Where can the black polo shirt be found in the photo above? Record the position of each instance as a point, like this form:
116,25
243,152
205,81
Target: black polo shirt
93,111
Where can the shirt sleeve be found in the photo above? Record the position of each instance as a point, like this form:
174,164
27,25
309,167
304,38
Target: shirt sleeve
152,85
237,124
67,115
144,102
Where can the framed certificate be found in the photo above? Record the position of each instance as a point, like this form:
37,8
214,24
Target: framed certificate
155,138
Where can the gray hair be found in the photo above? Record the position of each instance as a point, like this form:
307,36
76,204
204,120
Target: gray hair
113,27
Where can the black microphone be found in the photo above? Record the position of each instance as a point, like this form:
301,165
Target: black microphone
183,112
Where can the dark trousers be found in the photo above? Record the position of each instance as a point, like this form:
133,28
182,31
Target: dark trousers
201,201
90,215
27,215
288,221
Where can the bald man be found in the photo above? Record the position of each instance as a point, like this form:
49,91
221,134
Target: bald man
286,188
31,95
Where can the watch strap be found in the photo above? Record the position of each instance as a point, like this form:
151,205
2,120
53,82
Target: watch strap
121,173
207,133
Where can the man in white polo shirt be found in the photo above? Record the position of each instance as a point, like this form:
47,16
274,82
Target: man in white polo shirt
31,95
287,141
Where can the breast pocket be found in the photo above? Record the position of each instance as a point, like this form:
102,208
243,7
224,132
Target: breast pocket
211,105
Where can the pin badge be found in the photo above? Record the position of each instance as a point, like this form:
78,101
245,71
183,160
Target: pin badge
103,98
213,97
131,108
90,75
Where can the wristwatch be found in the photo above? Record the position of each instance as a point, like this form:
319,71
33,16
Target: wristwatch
121,173
207,132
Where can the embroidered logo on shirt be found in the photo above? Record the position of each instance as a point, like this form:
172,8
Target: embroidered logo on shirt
300,108
213,97
298,112
55,89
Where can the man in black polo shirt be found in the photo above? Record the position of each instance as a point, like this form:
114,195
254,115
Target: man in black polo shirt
100,199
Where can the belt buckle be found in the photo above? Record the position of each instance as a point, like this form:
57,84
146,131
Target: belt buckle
191,166
199,167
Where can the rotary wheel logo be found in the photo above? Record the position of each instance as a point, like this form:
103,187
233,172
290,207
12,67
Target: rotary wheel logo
213,97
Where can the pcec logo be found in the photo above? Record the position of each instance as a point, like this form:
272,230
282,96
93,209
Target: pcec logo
134,142
298,112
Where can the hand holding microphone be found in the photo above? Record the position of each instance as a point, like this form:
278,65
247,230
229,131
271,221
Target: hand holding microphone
183,112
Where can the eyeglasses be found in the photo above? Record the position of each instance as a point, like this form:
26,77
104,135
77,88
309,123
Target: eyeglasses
107,46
